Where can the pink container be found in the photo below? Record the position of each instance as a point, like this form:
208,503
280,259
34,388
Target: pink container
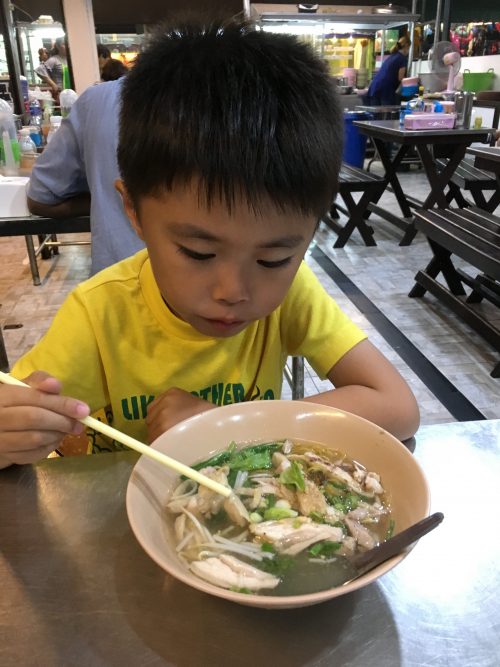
429,121
410,81
350,75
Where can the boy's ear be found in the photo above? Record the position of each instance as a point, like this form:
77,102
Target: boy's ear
129,207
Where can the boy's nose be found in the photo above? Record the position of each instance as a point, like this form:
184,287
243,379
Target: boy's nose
230,288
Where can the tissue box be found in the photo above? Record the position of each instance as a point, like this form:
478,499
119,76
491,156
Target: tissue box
13,200
429,121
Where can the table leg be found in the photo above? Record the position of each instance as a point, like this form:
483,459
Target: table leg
4,362
390,167
30,247
438,180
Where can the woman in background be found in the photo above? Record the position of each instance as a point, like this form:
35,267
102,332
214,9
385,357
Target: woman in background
382,90
52,70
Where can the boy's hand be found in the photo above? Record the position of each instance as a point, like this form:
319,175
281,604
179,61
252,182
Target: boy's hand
34,420
172,407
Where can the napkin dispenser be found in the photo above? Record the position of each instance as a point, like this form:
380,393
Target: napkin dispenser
429,121
13,198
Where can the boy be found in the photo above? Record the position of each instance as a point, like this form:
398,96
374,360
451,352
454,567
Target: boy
229,150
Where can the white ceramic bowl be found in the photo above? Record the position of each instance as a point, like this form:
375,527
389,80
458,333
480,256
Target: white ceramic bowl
199,437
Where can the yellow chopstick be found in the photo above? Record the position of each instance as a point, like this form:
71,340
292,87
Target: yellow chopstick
140,447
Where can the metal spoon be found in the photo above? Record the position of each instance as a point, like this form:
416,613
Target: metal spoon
364,562
311,576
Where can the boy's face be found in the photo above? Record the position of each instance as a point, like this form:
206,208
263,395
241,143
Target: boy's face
216,271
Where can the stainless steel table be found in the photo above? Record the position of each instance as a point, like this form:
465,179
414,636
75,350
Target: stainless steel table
46,229
430,144
77,590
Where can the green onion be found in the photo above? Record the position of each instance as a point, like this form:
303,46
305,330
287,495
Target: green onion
293,476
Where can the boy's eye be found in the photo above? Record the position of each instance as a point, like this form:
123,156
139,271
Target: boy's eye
195,255
274,265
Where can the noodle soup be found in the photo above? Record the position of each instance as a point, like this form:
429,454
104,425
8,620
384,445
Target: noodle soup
296,514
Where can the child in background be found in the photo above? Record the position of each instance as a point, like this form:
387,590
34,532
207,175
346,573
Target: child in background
229,152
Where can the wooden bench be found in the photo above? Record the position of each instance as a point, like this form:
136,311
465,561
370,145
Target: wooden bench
354,179
476,181
473,235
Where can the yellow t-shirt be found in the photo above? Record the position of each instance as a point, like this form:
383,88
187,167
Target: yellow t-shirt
115,345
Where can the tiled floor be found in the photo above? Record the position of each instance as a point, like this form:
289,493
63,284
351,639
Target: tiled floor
383,273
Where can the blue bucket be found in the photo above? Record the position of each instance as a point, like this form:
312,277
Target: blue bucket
354,140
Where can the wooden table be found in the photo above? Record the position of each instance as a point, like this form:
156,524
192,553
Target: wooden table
77,589
46,229
429,144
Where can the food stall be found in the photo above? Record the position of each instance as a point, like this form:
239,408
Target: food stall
351,39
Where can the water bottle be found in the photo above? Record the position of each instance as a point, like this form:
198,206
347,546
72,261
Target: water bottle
35,132
404,111
27,148
36,112
55,123
9,146
25,93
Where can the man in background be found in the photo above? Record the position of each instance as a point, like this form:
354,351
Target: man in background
76,172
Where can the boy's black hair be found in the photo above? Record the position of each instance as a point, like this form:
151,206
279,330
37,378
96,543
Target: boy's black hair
244,112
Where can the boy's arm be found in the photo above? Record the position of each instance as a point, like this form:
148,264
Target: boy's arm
34,420
368,385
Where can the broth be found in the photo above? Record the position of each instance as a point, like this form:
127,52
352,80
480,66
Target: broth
297,512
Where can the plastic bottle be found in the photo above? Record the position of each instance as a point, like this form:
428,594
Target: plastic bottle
55,123
9,146
35,112
35,133
67,98
420,100
25,93
28,149
46,115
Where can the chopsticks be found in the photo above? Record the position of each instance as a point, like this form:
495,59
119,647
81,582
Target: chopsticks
140,447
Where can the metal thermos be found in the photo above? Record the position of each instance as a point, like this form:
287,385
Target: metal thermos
463,108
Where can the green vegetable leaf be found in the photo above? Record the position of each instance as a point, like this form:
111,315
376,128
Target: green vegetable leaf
278,565
324,549
390,529
317,517
267,546
217,460
277,513
271,500
258,457
235,589
293,476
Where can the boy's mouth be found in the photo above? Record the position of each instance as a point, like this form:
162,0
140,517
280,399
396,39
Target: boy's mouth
225,325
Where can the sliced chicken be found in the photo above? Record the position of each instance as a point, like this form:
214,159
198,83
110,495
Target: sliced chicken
229,572
361,534
291,536
311,500
209,502
236,511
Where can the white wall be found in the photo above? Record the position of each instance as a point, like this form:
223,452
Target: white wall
80,32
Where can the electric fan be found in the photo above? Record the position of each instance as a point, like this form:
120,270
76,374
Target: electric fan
445,64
